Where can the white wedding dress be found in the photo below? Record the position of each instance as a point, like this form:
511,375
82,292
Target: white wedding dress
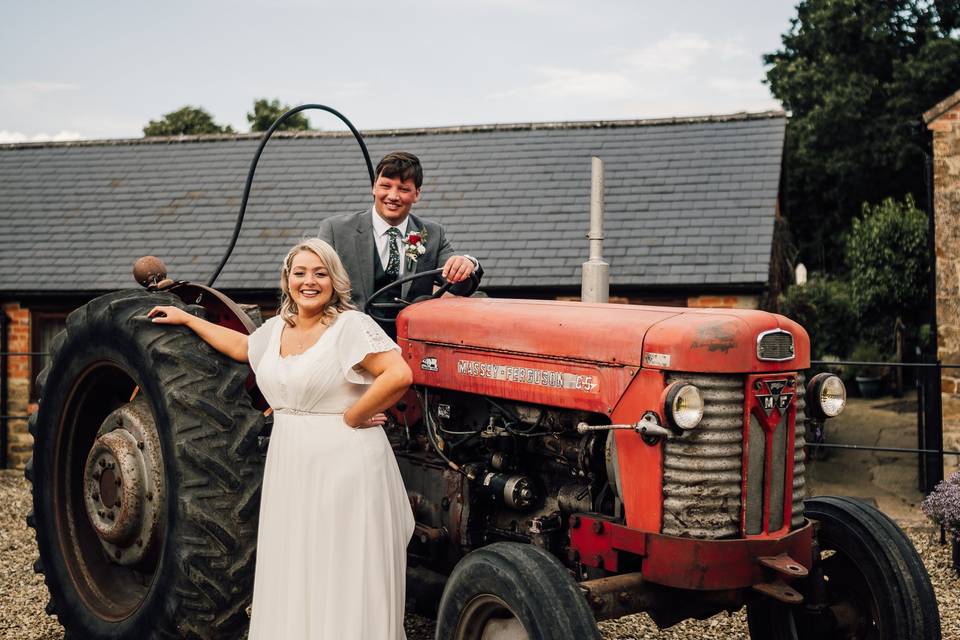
334,516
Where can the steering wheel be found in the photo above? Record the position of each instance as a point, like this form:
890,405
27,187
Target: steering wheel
376,308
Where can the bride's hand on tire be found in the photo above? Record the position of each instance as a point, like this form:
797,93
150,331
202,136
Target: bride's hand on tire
169,315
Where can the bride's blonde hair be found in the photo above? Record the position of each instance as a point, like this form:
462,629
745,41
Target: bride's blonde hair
340,298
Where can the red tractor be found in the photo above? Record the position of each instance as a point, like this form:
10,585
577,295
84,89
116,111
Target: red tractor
566,462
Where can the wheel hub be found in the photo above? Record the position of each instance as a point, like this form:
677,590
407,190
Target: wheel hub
487,617
123,483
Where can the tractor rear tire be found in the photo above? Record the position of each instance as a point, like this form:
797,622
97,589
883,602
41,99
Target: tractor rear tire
183,408
512,589
873,574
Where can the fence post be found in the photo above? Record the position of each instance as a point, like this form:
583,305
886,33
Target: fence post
930,431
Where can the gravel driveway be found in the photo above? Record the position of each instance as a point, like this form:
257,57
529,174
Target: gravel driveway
23,594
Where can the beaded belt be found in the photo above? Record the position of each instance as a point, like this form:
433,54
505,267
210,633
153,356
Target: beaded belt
298,412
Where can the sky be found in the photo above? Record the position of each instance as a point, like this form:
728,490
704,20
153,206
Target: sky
103,69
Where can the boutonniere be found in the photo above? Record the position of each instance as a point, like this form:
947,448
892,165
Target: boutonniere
414,246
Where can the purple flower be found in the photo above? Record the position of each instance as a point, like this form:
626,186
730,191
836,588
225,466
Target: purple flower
943,504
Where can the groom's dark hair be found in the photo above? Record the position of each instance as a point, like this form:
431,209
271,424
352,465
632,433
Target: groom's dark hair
401,165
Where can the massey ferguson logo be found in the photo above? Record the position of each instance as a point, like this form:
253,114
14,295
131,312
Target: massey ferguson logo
775,399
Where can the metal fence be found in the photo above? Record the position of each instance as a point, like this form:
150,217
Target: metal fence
929,450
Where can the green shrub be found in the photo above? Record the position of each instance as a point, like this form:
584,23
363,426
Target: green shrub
887,257
868,352
824,307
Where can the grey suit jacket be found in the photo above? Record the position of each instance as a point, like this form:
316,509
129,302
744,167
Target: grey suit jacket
351,235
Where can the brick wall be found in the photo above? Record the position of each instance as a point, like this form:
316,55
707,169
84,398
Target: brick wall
20,442
725,301
946,179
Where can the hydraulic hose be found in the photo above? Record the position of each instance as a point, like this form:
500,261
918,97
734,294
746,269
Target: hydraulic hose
256,160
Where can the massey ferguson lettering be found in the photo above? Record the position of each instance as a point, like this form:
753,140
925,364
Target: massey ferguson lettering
527,375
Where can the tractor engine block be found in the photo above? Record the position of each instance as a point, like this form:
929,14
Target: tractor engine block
523,469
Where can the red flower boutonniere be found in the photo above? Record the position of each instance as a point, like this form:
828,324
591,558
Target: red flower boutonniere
414,246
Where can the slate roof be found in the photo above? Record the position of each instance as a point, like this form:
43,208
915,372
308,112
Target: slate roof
688,201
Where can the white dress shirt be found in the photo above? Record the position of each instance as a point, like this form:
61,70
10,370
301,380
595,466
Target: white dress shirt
380,228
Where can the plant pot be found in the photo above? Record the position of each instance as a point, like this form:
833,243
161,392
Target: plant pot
870,386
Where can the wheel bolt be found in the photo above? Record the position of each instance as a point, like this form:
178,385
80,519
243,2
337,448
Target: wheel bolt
95,496
102,463
149,495
140,445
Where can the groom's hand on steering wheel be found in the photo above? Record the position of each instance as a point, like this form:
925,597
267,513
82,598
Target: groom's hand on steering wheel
458,268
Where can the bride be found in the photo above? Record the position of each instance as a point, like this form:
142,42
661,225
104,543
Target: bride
334,516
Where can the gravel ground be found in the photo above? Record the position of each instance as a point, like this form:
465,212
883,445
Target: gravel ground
23,594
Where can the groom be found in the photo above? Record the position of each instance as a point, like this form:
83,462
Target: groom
386,242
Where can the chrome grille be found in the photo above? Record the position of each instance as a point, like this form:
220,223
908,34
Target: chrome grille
756,469
702,467
800,441
776,345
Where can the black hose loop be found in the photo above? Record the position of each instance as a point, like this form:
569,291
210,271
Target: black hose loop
256,160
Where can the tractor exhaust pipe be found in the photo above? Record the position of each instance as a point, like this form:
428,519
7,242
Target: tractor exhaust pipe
595,285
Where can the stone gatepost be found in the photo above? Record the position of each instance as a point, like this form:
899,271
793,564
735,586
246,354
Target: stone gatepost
943,121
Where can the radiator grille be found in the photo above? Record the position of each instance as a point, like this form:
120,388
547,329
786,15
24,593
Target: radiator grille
702,467
702,490
799,468
776,345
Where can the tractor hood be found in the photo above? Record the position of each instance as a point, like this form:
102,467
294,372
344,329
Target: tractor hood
670,338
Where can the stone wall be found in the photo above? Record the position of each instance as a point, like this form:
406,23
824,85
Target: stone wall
20,442
945,127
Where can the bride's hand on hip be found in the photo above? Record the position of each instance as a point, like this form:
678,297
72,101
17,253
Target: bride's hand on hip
376,420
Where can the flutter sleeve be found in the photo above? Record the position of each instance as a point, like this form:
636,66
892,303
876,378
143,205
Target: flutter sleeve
359,337
259,341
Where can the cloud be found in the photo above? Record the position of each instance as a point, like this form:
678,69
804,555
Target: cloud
8,137
24,95
683,52
566,83
353,89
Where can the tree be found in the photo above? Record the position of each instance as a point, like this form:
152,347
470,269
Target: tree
186,121
856,76
265,113
886,253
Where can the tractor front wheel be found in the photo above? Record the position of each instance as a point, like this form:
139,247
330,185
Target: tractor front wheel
874,584
146,478
512,591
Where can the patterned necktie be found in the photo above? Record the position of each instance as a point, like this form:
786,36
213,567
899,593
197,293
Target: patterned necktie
393,264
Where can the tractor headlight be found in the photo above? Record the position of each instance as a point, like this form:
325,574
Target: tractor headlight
683,405
826,395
